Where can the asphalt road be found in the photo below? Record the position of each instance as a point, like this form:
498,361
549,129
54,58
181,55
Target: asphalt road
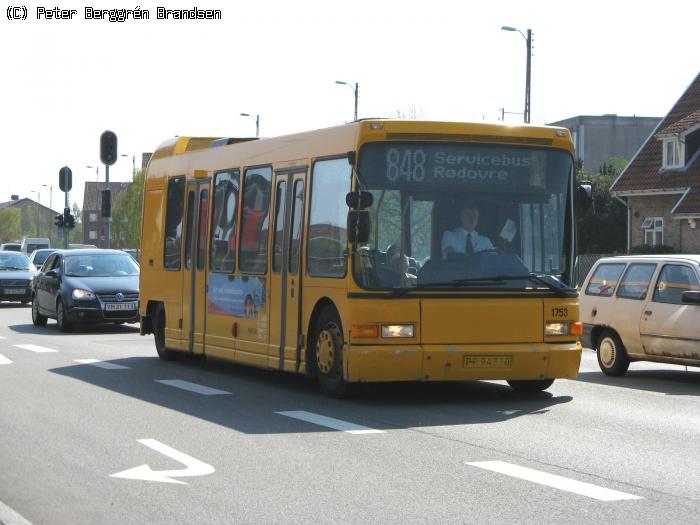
230,444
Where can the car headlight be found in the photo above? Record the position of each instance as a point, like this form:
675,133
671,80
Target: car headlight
82,294
397,330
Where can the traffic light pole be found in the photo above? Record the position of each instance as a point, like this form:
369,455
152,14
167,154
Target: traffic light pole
107,219
65,229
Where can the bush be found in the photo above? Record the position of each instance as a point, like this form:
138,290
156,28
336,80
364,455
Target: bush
648,249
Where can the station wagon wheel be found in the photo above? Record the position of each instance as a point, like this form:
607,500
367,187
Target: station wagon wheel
327,348
530,385
612,356
61,321
37,318
159,334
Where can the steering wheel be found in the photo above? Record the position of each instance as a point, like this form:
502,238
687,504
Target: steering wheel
490,250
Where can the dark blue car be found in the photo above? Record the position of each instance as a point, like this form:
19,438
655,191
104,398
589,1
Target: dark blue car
86,286
16,273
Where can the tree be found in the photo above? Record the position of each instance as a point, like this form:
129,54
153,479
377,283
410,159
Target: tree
603,228
10,224
76,234
126,214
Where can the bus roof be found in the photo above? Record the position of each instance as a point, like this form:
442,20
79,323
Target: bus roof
356,133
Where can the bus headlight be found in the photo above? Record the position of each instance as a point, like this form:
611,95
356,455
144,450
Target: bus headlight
397,330
565,328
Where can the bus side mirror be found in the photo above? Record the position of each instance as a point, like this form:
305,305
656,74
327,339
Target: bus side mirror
359,200
584,196
358,226
690,297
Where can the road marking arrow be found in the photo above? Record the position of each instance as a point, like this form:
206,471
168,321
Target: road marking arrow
193,467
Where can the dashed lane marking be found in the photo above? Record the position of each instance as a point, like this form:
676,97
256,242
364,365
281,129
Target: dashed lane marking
329,422
10,517
4,360
554,481
193,387
36,348
102,364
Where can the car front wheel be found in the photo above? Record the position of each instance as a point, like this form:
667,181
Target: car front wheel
63,324
37,318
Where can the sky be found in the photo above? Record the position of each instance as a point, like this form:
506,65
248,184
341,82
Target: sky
64,82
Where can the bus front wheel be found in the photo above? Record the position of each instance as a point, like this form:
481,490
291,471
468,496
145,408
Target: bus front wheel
327,348
159,334
532,385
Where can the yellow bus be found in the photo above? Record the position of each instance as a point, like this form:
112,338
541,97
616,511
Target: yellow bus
339,253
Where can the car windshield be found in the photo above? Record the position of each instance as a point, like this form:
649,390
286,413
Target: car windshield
15,261
453,216
100,265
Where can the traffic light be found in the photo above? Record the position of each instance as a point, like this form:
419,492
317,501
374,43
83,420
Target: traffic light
108,147
70,223
65,179
106,203
58,220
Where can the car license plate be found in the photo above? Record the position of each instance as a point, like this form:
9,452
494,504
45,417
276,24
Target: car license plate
15,291
488,361
120,307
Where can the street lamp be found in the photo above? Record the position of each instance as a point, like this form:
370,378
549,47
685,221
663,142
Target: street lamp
257,123
133,164
355,90
528,41
97,172
38,211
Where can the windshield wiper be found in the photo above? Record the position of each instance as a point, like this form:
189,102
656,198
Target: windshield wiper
13,268
548,281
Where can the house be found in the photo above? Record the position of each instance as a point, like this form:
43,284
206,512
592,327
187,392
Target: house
36,220
93,222
599,138
661,185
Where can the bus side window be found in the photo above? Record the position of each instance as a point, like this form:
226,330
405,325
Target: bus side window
173,223
222,256
254,223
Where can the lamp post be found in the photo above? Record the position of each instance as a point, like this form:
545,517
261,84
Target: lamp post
133,164
38,211
528,41
257,123
355,90
97,172
50,187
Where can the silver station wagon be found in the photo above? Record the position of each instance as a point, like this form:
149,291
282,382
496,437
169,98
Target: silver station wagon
642,308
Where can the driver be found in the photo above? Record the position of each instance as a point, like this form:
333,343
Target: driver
464,239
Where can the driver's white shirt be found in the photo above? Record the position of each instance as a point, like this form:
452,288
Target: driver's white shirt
457,239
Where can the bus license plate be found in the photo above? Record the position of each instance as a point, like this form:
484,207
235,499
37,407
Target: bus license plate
120,307
14,291
488,361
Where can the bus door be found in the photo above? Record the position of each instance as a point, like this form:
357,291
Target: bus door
285,275
194,274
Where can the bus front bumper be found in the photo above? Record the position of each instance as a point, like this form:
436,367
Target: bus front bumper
462,362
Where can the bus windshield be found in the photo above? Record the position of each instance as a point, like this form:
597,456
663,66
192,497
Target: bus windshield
455,216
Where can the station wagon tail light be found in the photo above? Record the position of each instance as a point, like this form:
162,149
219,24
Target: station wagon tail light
397,330
82,294
365,331
555,329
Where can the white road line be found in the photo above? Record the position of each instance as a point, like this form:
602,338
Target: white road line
102,364
329,422
4,360
554,481
2,337
36,348
192,387
10,517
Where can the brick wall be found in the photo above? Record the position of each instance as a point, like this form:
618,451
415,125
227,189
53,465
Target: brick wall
677,232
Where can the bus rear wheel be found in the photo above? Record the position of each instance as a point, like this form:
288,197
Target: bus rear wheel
327,348
159,334
530,385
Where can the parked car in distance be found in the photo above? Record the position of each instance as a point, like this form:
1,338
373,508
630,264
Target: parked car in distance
86,286
29,244
16,274
642,308
11,247
38,257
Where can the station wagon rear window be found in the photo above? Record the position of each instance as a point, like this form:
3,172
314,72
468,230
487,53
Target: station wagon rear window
605,279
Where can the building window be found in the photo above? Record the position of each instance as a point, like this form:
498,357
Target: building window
673,153
92,235
92,217
653,230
